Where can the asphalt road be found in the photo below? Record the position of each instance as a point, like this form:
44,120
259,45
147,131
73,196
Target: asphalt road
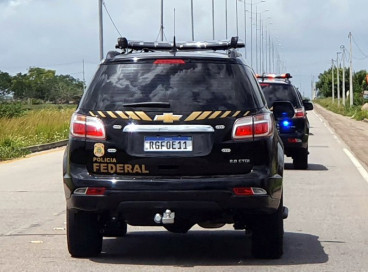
327,228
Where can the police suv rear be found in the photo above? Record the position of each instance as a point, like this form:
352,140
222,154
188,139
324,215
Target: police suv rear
173,135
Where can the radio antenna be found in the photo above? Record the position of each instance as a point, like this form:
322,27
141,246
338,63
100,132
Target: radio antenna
174,49
174,22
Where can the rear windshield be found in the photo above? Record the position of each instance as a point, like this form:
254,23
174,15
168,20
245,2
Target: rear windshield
186,87
280,92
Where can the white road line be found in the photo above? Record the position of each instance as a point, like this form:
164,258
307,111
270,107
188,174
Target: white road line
357,164
329,129
353,159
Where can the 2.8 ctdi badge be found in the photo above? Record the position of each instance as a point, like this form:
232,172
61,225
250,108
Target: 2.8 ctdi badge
99,150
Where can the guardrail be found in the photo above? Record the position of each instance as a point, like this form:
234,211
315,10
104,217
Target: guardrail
42,147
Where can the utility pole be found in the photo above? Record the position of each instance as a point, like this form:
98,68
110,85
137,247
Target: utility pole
162,21
237,22
256,42
333,81
338,77
192,20
84,79
269,53
101,28
260,43
245,29
225,18
343,74
213,19
351,73
251,33
273,57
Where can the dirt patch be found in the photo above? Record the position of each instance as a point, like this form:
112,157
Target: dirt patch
354,133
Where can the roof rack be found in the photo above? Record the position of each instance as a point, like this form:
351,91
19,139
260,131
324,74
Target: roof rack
234,43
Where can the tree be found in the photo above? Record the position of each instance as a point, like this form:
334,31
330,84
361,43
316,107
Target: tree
5,83
324,83
45,85
21,87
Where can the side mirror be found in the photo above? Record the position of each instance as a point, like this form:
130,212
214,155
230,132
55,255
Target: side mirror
283,109
307,105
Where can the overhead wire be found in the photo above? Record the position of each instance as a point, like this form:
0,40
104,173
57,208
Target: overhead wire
361,51
112,21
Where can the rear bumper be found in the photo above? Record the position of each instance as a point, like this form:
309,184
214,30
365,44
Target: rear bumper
197,198
289,146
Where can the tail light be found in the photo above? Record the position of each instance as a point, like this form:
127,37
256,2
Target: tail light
249,191
253,126
294,140
299,113
82,126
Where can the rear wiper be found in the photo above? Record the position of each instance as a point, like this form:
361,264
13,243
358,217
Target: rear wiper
148,104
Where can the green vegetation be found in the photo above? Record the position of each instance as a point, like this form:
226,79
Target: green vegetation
324,84
360,84
354,112
37,126
10,110
40,85
31,110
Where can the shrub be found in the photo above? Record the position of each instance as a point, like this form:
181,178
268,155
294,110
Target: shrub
10,110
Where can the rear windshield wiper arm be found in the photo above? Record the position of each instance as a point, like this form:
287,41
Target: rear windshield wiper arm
148,104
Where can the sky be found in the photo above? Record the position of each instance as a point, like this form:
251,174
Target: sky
63,35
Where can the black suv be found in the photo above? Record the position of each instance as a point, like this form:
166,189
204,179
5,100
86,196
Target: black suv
294,131
172,135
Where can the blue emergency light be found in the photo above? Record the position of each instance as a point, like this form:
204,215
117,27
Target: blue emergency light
285,125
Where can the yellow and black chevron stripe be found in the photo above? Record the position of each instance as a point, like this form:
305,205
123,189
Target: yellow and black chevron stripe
194,116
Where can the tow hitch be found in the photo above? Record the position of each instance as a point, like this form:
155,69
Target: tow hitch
167,217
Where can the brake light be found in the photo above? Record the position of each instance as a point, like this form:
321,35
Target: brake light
169,61
299,113
294,140
95,191
243,191
253,126
87,127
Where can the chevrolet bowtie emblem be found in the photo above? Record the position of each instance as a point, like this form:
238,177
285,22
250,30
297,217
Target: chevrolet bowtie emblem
167,117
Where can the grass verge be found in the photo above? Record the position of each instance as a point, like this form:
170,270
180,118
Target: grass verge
354,112
37,126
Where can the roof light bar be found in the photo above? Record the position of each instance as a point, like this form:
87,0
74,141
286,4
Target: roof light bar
124,44
274,76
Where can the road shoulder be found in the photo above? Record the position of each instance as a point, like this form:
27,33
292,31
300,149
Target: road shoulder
352,132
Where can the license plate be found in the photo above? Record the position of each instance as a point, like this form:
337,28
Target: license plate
168,144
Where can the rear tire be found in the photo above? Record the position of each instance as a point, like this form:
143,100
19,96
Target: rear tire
300,159
268,235
83,234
